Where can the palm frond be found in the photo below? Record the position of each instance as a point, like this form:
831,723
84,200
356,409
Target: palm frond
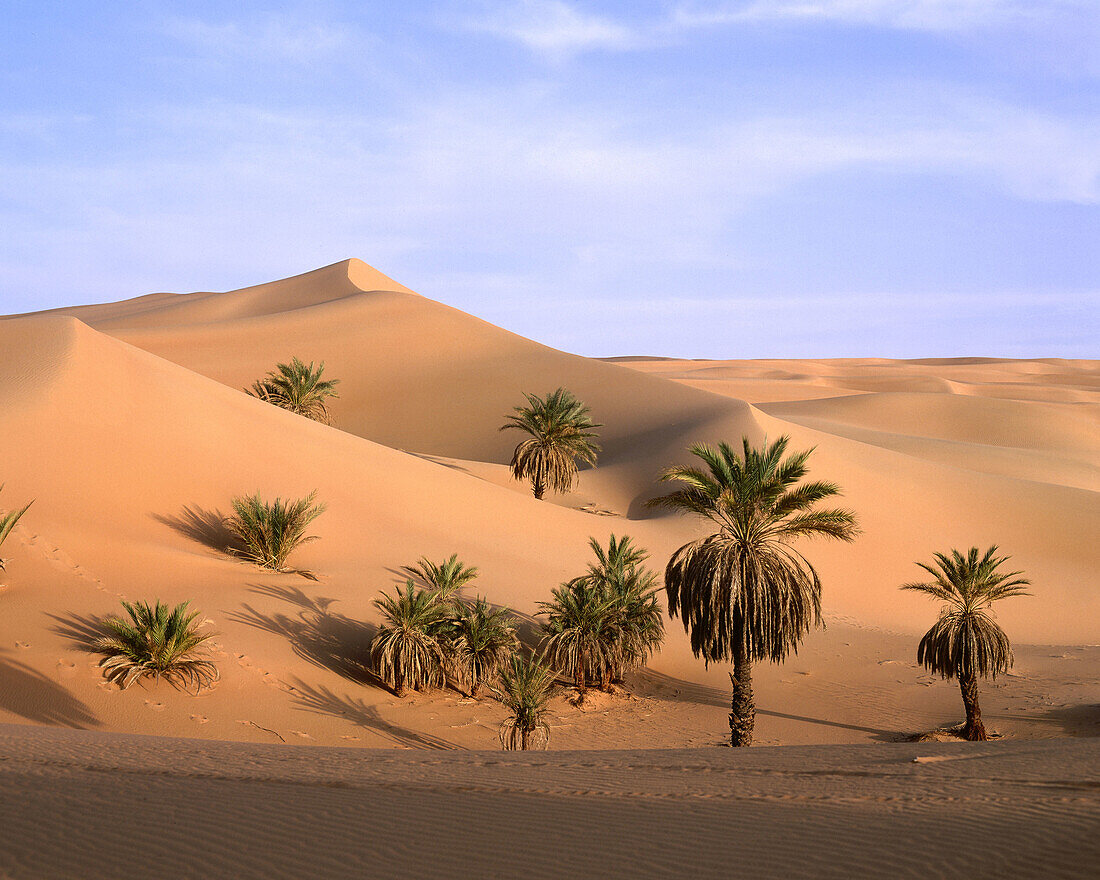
8,522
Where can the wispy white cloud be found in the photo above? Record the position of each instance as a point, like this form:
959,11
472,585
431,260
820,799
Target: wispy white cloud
560,29
935,15
273,37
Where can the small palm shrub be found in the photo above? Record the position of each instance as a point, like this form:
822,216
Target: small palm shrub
7,523
156,642
271,532
445,578
484,639
406,651
524,690
299,388
561,432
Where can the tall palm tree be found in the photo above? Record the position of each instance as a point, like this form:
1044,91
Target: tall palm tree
298,387
966,641
485,639
406,650
7,523
744,593
561,432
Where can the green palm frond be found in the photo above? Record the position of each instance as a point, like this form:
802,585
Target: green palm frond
270,532
298,387
158,642
561,433
966,641
524,690
406,650
445,578
745,587
7,523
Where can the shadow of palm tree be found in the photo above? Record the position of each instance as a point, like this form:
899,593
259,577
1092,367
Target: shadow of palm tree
669,688
29,694
325,701
209,527
83,630
327,640
1080,720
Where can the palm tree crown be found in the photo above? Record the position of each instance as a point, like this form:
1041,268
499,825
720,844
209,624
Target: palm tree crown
745,586
298,387
966,640
561,432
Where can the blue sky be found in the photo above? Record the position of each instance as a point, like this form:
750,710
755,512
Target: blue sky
706,178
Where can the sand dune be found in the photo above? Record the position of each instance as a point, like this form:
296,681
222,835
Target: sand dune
127,424
247,810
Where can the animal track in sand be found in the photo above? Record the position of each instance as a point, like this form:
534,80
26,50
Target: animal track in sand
22,645
302,734
201,719
154,705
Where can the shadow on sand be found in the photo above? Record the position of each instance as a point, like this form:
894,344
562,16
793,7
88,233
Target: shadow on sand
667,687
29,694
326,701
327,640
208,527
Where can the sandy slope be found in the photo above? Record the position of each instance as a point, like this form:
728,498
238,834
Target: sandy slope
95,805
126,423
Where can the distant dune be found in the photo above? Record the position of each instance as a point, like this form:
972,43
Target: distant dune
127,424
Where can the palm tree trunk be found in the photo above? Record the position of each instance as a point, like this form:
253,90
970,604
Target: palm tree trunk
540,487
579,675
742,706
975,729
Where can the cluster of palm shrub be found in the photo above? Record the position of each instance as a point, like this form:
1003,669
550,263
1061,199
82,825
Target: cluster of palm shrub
607,621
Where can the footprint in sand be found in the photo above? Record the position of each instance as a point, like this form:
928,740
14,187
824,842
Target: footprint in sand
154,705
346,736
22,645
201,719
302,734
66,668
